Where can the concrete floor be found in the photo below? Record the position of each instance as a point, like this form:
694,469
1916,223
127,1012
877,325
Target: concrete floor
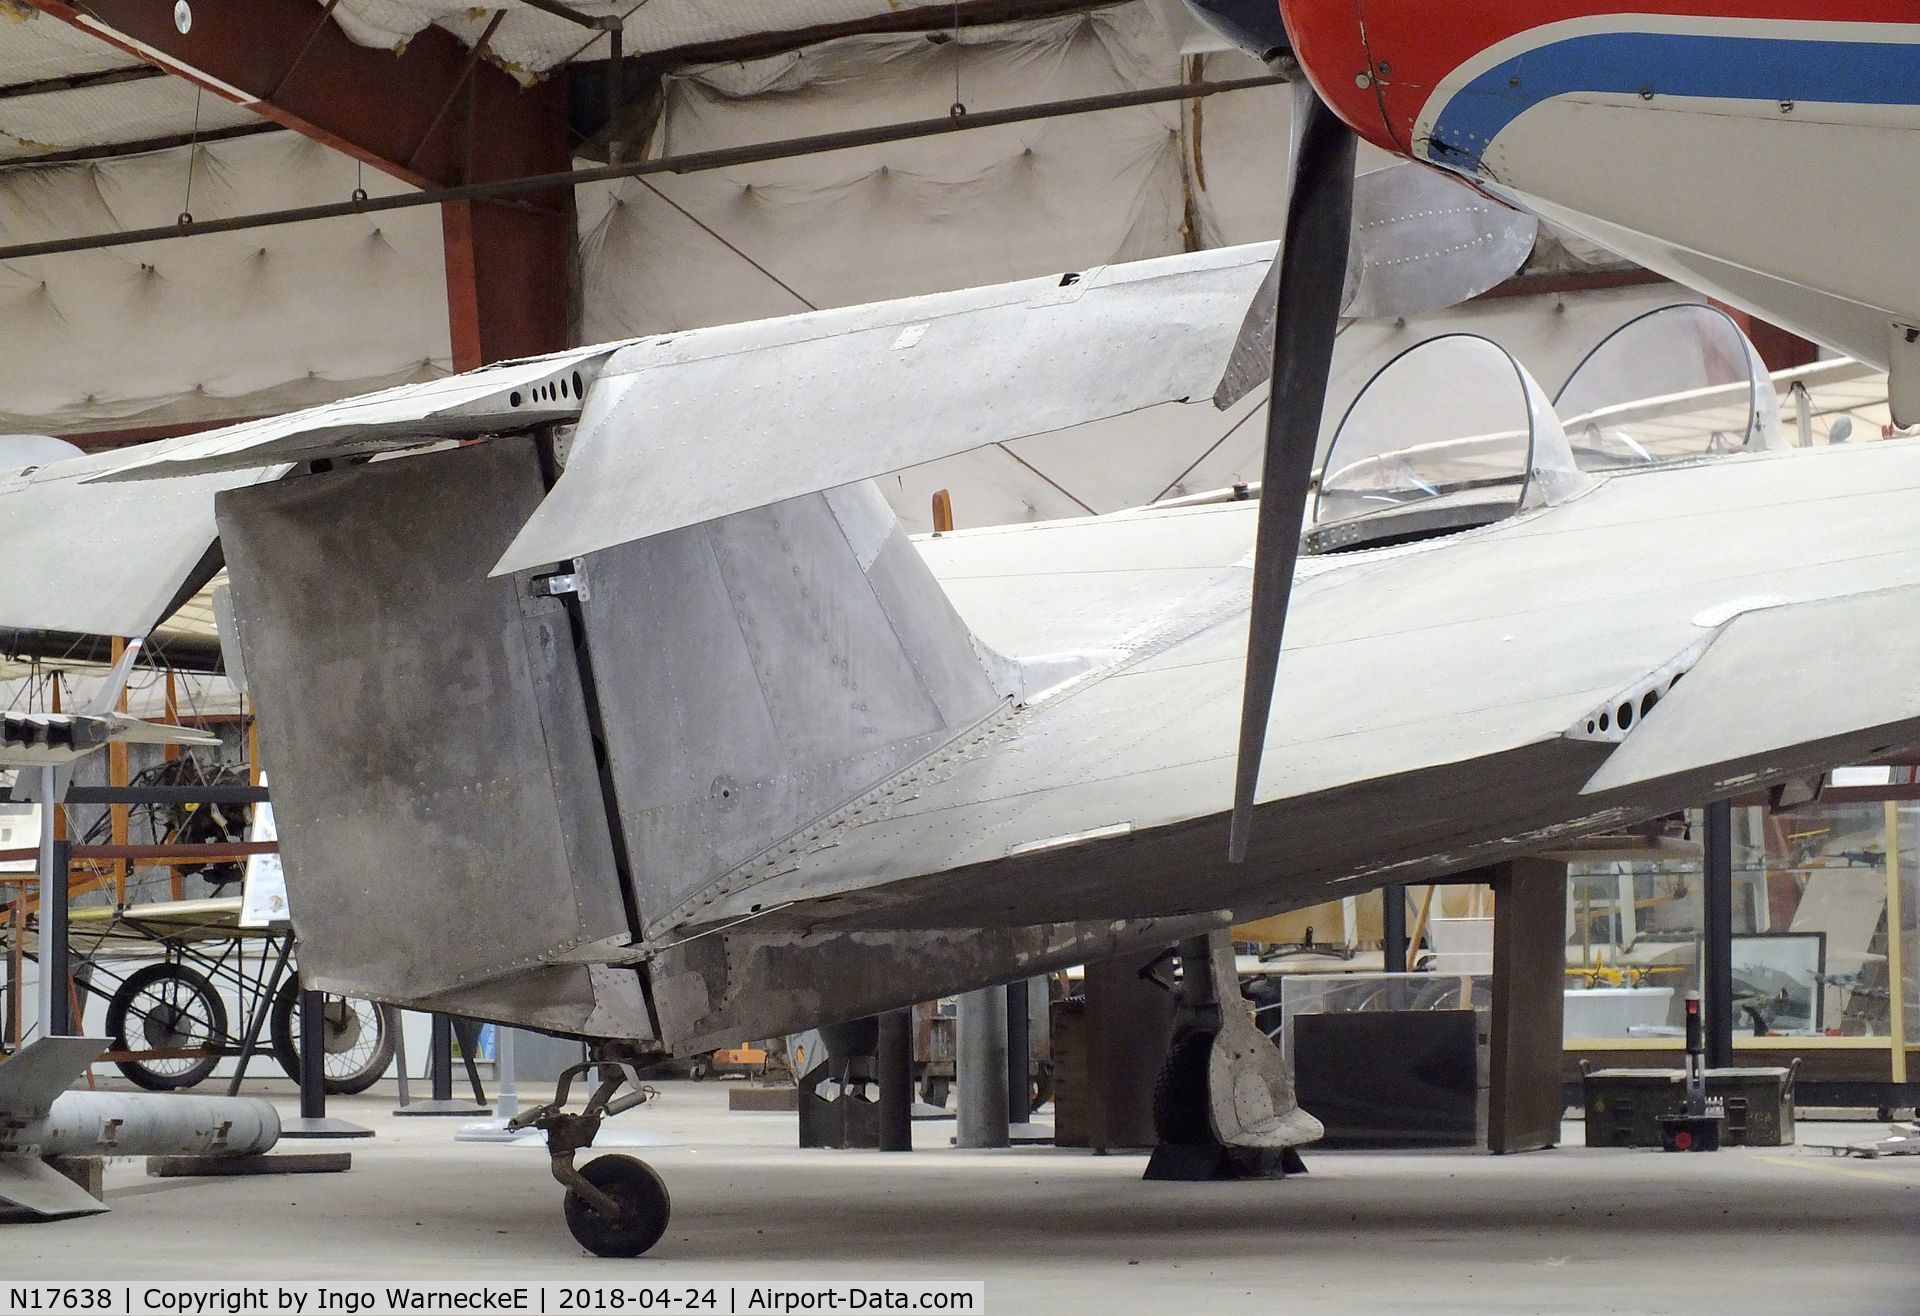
1749,1231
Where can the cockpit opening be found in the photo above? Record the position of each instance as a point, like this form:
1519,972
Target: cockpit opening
1451,434
1675,384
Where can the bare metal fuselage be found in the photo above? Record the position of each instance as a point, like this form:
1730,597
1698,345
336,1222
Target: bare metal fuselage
822,810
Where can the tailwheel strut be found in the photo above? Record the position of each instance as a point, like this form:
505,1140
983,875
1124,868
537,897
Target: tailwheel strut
616,1206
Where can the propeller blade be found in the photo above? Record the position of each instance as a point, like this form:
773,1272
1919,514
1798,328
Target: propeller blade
1312,287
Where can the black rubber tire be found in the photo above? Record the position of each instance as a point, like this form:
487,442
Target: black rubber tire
698,1070
203,1007
634,1185
284,1035
1180,1094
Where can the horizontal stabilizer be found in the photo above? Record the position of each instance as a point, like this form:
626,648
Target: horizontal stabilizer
1774,681
35,1075
101,559
510,396
31,1185
688,428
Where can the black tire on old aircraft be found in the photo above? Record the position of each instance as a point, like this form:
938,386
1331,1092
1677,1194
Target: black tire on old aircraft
642,1196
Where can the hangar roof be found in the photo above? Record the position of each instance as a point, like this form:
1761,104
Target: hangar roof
65,93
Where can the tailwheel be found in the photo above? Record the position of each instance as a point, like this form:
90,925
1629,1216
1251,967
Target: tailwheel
643,1207
615,1206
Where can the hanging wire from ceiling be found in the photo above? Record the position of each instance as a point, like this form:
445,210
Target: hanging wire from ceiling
957,110
193,152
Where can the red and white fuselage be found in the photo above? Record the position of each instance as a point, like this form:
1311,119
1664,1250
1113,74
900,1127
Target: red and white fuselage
1766,152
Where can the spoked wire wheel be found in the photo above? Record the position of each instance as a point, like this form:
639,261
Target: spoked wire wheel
167,1008
358,1037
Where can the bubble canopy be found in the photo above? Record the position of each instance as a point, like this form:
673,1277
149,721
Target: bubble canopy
1452,433
1677,383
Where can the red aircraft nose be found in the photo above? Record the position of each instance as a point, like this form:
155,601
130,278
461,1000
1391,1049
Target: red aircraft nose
1330,39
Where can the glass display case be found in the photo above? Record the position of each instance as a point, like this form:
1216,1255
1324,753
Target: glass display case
1823,949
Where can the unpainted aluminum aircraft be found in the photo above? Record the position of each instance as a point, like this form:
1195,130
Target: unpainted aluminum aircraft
714,751
664,735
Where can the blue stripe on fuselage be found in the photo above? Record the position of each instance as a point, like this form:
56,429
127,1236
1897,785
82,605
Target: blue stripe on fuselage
1671,64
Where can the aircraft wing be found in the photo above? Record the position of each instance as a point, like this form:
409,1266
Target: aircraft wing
709,422
103,559
1832,667
705,422
495,399
1425,720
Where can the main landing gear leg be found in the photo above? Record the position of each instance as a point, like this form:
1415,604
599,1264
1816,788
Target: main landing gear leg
616,1206
1224,1106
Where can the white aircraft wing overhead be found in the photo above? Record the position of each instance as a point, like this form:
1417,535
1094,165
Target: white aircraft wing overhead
101,559
686,428
1828,668
511,395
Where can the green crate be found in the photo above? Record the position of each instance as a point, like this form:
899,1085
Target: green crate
1624,1106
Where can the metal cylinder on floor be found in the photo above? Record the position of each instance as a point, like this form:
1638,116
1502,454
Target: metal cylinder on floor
146,1124
980,1026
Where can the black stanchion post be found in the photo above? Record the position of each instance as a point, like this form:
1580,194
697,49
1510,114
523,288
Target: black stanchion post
1393,928
54,945
442,1058
313,1057
440,1054
895,1062
1716,936
314,1122
1019,1081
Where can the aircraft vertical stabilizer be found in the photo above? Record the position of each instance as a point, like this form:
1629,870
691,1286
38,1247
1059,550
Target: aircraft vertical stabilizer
583,755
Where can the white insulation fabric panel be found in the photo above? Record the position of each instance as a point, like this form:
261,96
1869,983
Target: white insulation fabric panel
35,47
530,42
217,326
118,112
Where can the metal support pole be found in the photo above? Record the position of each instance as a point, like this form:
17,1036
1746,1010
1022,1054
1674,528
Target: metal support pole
44,994
257,1020
496,1129
1716,935
895,1063
440,1060
509,1094
54,962
314,1122
980,1026
1896,947
468,1031
313,1056
1393,928
400,1062
1019,1043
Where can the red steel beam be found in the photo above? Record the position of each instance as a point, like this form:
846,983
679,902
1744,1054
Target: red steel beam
428,114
